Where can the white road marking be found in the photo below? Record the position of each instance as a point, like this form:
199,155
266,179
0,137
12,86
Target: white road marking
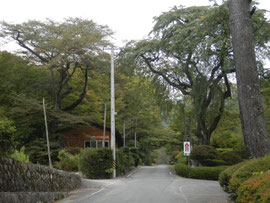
185,197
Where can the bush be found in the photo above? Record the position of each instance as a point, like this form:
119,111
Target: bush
206,173
202,153
226,175
135,154
67,161
20,156
124,161
248,170
96,163
174,157
256,189
181,158
214,162
182,170
230,157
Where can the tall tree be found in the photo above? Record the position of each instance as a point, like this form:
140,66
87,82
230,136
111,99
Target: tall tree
255,133
190,52
75,45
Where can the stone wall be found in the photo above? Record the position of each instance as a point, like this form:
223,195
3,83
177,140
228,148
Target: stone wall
27,180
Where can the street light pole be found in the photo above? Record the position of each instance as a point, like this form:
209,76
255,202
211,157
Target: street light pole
113,112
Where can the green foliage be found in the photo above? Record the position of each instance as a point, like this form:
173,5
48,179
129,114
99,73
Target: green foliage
124,161
135,154
38,151
255,189
206,173
226,175
68,50
203,153
183,170
181,158
20,156
230,157
214,162
96,163
249,169
7,135
67,161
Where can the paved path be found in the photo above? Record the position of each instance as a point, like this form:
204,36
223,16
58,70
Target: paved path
155,184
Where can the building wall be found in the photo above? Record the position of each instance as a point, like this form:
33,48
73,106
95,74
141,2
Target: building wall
77,137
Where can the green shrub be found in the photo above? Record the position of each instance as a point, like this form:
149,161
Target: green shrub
248,170
202,153
226,175
181,158
67,161
206,173
174,157
19,156
182,170
124,161
96,163
230,157
135,154
256,189
214,162
203,172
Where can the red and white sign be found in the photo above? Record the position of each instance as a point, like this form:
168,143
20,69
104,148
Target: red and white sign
187,148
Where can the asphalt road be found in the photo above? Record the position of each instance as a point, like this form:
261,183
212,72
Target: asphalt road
155,184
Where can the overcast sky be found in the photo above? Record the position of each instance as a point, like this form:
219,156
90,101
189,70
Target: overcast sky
129,19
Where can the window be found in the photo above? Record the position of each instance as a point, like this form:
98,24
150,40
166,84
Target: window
86,144
95,144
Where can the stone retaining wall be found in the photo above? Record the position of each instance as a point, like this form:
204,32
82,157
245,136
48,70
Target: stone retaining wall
28,180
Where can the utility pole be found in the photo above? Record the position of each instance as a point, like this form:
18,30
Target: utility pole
47,134
124,133
104,125
135,136
113,111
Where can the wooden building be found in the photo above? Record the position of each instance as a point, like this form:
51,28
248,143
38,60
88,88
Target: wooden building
92,136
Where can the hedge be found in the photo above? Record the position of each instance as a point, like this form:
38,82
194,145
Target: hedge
256,189
203,172
96,163
248,170
226,175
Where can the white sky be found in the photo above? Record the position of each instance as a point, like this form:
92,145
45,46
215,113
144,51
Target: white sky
129,19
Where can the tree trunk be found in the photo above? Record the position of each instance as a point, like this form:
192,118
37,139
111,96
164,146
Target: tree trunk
252,118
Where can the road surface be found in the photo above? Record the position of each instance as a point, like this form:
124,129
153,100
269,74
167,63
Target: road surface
150,184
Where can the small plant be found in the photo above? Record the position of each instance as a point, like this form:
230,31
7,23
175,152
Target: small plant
67,161
20,156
